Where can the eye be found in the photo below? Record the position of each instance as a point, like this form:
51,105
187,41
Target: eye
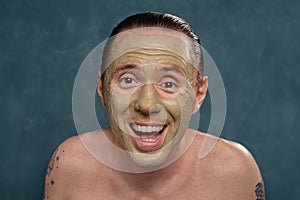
127,82
169,84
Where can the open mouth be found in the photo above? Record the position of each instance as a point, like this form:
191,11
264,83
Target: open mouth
141,131
149,137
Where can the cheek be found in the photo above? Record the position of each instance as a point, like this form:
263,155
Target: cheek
173,106
119,101
118,107
180,107
187,106
182,103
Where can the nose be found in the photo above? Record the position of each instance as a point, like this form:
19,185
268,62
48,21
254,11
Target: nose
147,102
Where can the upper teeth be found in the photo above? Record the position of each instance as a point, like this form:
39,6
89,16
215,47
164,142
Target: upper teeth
147,128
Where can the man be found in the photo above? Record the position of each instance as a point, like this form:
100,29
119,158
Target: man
152,83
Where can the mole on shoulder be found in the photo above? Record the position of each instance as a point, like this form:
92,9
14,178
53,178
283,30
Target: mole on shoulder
52,182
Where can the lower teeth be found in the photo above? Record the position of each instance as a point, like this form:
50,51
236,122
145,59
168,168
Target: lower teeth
148,140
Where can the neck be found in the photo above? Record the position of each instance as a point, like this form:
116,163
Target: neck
160,182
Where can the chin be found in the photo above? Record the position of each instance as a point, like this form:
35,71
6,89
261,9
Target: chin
156,158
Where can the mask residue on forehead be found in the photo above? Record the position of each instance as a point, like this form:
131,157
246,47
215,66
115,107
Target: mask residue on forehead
178,108
160,39
142,57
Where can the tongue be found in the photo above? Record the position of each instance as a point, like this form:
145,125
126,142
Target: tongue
145,134
150,136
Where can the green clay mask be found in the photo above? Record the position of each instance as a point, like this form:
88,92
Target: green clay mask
150,98
151,38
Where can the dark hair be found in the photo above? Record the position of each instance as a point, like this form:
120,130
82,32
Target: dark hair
161,20
155,19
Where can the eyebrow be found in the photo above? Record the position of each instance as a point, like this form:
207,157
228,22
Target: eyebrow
125,67
164,68
168,68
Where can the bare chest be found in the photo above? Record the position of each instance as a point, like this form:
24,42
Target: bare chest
192,189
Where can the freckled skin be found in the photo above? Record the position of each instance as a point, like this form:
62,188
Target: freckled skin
51,163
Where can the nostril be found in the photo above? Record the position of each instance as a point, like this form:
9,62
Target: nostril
137,107
155,112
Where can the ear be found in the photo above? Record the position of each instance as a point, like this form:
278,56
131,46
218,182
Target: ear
100,89
200,94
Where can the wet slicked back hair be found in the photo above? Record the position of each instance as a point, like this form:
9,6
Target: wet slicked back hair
161,20
156,19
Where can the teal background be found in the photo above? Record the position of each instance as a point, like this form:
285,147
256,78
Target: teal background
255,45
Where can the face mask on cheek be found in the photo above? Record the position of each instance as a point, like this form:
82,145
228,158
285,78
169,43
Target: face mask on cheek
171,107
168,105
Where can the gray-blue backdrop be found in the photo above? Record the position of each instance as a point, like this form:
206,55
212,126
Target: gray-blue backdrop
254,43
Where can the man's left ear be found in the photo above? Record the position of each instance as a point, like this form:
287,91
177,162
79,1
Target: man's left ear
100,90
200,94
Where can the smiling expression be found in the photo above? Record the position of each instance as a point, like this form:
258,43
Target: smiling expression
150,97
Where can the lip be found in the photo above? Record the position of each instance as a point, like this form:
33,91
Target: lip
148,143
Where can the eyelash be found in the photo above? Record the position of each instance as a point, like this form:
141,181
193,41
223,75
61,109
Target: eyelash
126,78
172,84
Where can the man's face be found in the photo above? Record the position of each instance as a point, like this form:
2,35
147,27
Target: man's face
151,98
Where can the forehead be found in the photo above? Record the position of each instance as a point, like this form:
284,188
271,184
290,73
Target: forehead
151,39
153,32
146,57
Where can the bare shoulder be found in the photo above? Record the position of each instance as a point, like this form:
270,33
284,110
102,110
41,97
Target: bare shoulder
246,170
236,168
239,158
69,153
69,168
228,153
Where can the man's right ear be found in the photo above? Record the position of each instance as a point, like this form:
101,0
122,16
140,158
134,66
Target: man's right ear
100,89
